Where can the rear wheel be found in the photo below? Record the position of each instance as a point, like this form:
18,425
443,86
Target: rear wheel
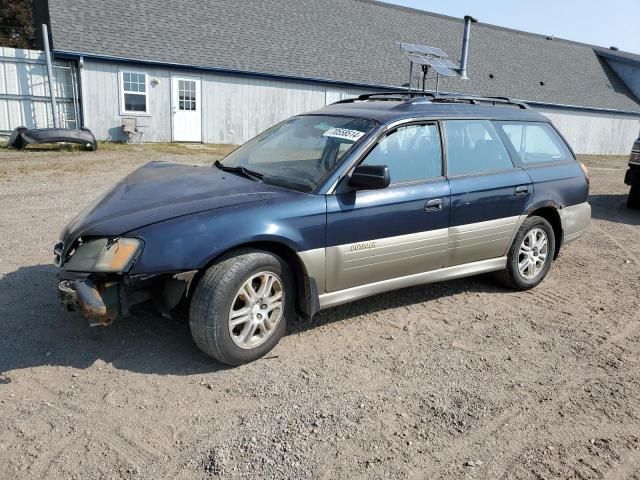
530,256
633,200
240,306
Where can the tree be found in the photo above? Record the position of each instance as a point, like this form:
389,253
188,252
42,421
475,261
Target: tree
17,27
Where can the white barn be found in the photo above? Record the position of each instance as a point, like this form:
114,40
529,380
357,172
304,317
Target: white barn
221,72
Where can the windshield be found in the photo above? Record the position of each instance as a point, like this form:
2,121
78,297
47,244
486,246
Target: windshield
299,152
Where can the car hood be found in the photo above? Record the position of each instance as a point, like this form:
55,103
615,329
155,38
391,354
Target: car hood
160,191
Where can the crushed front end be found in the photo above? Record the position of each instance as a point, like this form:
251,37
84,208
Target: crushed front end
94,280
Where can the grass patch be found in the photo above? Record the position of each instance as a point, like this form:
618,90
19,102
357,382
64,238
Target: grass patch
171,148
613,158
168,148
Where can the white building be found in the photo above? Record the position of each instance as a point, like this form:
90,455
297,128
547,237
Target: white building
221,72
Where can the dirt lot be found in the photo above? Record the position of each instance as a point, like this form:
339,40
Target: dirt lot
455,380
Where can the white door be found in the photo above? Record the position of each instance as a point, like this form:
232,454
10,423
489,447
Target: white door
187,114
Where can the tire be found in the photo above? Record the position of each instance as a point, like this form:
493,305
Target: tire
633,200
511,277
219,290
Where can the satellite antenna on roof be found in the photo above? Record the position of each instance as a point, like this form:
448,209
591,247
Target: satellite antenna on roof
428,57
437,59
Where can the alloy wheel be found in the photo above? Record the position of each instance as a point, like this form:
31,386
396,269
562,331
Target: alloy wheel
256,310
533,253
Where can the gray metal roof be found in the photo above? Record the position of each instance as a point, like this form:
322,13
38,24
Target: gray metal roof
351,41
618,55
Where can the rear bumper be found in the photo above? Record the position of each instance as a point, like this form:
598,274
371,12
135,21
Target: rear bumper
575,221
21,137
632,177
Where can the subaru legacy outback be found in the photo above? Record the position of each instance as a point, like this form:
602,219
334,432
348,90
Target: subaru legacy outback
365,196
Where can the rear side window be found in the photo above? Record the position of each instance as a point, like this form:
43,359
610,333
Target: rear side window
412,153
535,142
474,146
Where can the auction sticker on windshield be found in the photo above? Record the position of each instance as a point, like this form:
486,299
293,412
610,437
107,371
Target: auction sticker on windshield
345,133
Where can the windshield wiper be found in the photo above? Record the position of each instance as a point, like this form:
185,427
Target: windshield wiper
256,176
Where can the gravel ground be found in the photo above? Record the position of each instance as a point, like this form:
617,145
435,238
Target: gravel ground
455,380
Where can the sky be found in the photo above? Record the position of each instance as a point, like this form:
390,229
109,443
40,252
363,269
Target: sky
603,23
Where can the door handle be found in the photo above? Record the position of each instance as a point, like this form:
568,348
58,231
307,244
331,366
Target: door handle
521,190
433,205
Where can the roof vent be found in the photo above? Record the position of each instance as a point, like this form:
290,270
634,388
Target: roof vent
615,49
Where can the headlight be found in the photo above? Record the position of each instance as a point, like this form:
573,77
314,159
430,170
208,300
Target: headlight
104,255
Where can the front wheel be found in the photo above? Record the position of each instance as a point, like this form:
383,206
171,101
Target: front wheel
240,306
530,256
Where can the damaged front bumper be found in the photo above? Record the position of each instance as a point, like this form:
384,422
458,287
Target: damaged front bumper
104,300
101,303
22,136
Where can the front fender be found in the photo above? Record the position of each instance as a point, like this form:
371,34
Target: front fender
192,241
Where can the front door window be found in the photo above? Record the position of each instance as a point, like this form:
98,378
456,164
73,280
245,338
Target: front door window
412,154
187,95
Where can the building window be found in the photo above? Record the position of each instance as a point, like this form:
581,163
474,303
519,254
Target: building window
134,92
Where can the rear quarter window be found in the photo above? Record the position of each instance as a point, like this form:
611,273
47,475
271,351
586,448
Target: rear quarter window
535,142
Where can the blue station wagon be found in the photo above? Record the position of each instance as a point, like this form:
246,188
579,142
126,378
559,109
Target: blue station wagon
364,196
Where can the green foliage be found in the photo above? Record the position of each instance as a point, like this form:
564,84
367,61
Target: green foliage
17,27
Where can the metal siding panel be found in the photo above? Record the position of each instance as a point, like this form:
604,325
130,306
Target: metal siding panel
593,133
23,73
4,115
3,74
11,78
14,107
101,93
39,81
237,108
42,115
102,104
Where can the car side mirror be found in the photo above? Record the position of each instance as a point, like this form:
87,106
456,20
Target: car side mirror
370,177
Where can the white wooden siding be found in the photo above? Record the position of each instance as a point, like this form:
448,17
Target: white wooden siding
235,108
593,133
101,102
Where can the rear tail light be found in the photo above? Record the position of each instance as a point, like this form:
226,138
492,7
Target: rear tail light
585,170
